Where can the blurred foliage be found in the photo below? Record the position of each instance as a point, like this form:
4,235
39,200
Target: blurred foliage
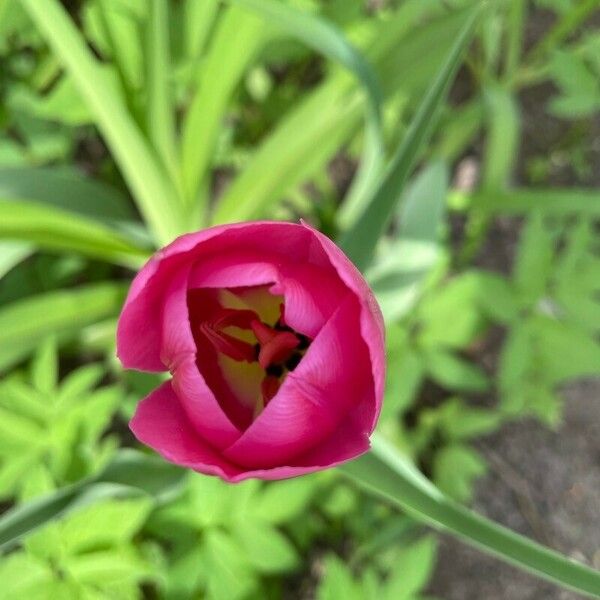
260,125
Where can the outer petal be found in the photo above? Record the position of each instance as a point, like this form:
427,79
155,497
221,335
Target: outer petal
138,332
333,377
161,423
371,319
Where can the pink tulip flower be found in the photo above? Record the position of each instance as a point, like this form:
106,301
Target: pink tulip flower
275,344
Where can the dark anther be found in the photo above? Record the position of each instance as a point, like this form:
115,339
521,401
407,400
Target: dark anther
274,370
256,351
304,341
292,362
279,327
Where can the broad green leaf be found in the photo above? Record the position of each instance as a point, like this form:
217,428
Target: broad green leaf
360,240
281,501
412,569
153,191
268,550
337,582
455,373
63,313
387,474
455,470
56,229
459,421
229,576
130,474
497,297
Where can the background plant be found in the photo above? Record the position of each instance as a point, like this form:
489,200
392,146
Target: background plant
126,123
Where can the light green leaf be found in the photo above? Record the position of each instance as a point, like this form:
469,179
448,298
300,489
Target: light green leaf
281,501
360,240
237,38
268,550
44,368
412,569
455,373
63,313
54,229
548,201
11,254
154,193
337,582
455,470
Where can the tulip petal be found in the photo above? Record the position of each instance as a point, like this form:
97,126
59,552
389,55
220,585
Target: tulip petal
161,423
314,399
371,319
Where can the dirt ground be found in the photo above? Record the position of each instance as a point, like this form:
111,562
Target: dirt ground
542,483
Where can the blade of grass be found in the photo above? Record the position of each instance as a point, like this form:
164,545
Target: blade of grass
360,240
326,39
153,191
238,37
55,229
161,118
389,475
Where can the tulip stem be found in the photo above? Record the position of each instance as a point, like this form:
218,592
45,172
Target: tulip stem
390,475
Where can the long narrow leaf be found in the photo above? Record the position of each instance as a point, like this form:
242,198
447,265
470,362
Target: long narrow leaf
326,39
387,474
56,229
360,240
161,118
237,38
555,201
153,191
313,130
63,313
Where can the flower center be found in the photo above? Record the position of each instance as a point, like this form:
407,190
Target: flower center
277,349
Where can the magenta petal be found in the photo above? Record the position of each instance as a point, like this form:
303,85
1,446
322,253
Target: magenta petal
371,319
333,377
312,294
160,422
201,407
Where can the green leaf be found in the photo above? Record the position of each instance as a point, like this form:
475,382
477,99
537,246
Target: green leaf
360,240
160,115
268,550
337,582
502,141
237,38
63,313
11,254
154,193
497,297
535,260
455,373
455,470
412,568
67,189
129,474
54,229
326,39
548,201
387,474
44,369
282,501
